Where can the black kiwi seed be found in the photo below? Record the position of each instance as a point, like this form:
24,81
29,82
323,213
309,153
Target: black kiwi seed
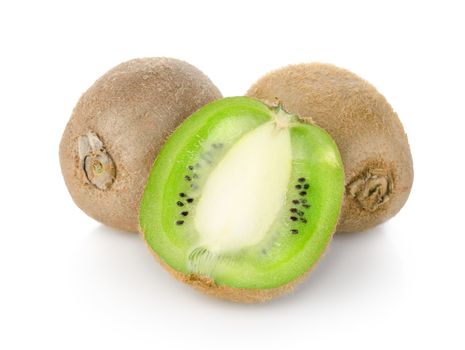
293,210
182,194
302,193
190,167
293,218
188,178
295,201
303,220
179,222
300,213
190,200
298,187
306,205
304,200
184,213
302,179
306,186
180,204
294,231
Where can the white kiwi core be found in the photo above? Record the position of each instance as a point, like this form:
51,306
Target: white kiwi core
245,192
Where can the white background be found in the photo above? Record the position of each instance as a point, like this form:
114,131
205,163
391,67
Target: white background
68,282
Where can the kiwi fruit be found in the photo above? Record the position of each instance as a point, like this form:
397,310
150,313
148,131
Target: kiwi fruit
373,145
118,127
242,200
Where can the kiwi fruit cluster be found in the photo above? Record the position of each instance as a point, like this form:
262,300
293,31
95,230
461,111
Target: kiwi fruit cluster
238,197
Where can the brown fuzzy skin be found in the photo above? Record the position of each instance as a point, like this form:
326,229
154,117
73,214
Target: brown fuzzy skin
132,109
371,139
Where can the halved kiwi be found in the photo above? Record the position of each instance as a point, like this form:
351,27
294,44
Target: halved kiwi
242,200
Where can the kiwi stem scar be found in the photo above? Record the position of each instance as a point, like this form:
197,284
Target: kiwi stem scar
372,189
97,165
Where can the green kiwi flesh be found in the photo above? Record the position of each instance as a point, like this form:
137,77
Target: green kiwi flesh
242,200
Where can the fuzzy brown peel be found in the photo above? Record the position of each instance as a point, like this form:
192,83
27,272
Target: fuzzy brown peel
118,127
373,145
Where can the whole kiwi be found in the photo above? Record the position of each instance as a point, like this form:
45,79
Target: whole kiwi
118,127
371,139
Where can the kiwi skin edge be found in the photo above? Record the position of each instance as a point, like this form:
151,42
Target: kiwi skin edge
207,286
118,127
371,139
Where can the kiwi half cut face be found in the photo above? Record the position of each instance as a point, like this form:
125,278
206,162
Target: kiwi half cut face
242,199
